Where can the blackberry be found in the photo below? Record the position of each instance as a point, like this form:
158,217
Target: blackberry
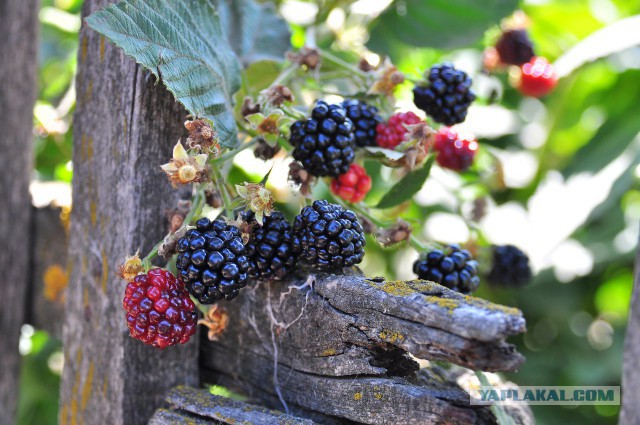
213,261
328,237
514,47
353,185
447,96
270,246
510,267
453,151
365,118
537,78
159,310
324,143
394,131
453,268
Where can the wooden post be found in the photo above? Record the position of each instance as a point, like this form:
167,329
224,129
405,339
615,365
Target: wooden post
630,414
125,126
18,50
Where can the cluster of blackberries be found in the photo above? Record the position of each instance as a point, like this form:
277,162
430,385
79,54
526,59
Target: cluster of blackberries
214,262
452,267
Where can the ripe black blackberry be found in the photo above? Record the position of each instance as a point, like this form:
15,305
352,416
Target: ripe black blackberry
270,246
365,118
324,143
447,96
213,261
514,47
510,267
452,267
328,237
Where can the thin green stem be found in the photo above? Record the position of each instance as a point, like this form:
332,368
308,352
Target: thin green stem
231,154
146,261
196,206
224,191
203,308
286,73
329,57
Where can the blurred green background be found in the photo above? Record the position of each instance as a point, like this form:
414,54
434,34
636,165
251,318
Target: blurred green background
569,193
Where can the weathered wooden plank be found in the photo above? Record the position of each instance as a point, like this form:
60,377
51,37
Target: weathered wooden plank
630,414
341,348
124,127
172,417
202,404
18,53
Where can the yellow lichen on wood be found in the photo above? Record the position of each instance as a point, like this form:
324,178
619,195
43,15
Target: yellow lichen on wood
55,281
378,396
87,387
101,48
105,271
391,336
357,396
328,352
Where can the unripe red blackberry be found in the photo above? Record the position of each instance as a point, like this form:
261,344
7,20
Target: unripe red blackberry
324,143
213,261
447,96
454,152
393,132
270,246
353,185
159,310
510,267
328,237
537,78
453,268
514,47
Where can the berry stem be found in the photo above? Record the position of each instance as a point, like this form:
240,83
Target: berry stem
233,153
329,57
196,206
224,191
203,308
285,75
146,261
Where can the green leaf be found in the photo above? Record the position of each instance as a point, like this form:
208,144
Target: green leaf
407,187
254,30
440,24
182,42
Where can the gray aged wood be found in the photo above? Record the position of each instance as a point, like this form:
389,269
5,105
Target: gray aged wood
199,405
341,348
630,414
124,127
18,54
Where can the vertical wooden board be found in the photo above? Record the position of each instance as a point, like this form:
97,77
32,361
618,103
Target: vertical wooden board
18,54
124,127
630,414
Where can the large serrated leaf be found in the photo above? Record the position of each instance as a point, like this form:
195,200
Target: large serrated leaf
440,24
408,186
254,30
182,42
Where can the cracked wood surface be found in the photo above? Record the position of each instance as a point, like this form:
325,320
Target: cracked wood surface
341,348
18,62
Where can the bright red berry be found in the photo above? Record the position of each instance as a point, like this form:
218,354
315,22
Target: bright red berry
353,185
453,151
537,77
392,133
159,310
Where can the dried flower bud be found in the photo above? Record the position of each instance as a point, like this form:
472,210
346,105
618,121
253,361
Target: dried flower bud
387,78
248,107
265,151
400,231
259,199
168,246
479,209
202,136
300,178
364,65
307,56
213,198
269,127
216,320
183,169
277,95
131,268
367,225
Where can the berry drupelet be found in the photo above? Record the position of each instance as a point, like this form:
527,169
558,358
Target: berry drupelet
213,261
270,246
353,185
510,267
454,152
452,267
365,118
393,132
324,143
159,310
514,47
328,237
447,96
